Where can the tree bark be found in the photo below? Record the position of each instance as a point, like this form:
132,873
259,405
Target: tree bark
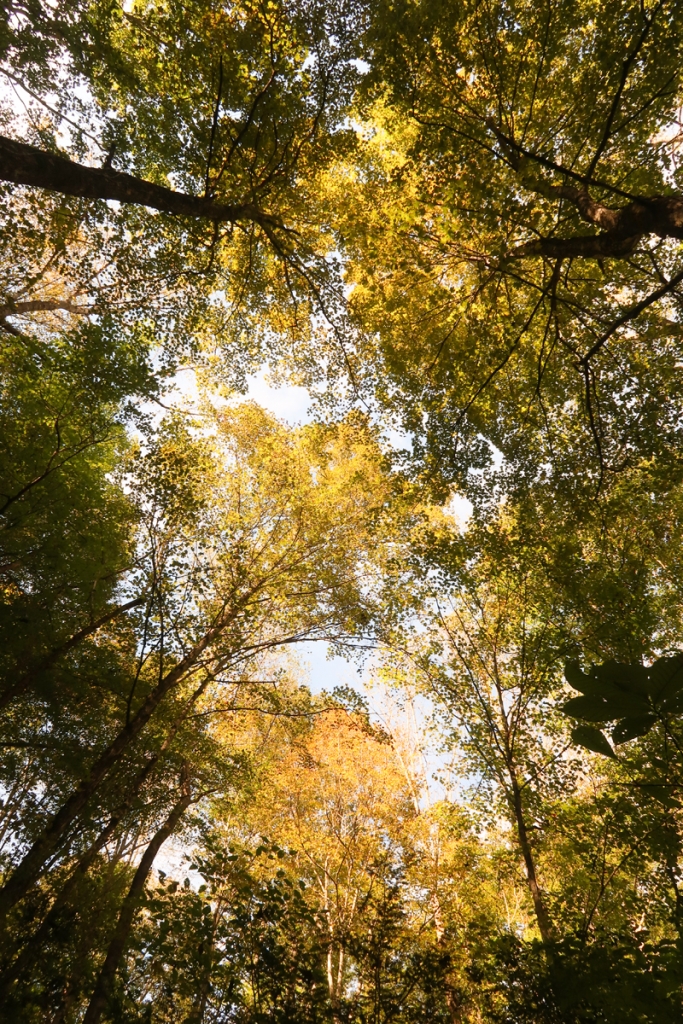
24,308
28,870
129,909
540,909
623,227
27,165
196,1015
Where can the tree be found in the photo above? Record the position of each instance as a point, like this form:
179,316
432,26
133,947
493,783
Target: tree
505,613
327,930
221,121
490,665
245,543
339,800
467,217
66,530
495,134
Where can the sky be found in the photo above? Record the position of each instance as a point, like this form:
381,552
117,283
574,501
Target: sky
291,404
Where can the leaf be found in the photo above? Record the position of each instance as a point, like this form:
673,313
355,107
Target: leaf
661,793
673,705
611,681
596,709
586,684
633,678
592,739
629,728
592,709
666,678
574,676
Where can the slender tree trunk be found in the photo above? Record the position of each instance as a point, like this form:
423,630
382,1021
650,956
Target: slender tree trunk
198,1010
28,165
678,912
542,917
28,870
32,949
24,681
129,909
69,996
453,1001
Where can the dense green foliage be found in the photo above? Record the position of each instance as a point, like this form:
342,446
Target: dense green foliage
460,222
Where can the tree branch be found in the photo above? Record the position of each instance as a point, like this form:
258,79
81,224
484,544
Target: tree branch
630,314
39,306
27,165
24,681
514,151
579,246
625,72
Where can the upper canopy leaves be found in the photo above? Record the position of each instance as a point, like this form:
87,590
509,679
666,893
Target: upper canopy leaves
515,274
219,118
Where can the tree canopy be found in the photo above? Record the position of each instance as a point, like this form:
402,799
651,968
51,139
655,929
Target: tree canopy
458,227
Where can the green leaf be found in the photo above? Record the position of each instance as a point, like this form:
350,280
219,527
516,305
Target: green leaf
672,705
574,676
661,793
592,709
597,709
633,678
586,684
612,681
629,728
592,739
666,678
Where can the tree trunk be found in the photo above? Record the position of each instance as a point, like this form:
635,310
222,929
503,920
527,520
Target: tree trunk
199,1007
623,227
28,165
542,918
32,949
124,924
28,870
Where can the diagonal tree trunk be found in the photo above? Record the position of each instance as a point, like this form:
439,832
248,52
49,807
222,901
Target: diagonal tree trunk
32,949
27,165
129,909
621,228
28,870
